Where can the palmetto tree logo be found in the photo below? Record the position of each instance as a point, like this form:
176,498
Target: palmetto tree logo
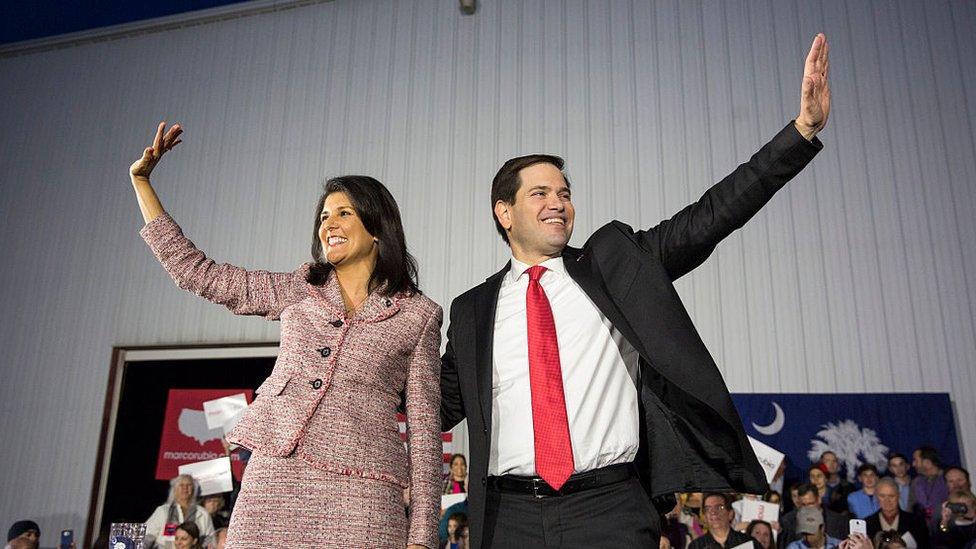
852,445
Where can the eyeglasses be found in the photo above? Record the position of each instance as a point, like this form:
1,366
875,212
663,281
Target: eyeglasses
715,508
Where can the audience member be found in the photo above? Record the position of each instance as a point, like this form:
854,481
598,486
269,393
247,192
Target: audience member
794,501
762,532
835,524
929,489
862,503
810,525
446,514
717,511
957,524
957,479
23,534
898,467
187,536
462,535
674,533
215,504
457,479
220,538
838,487
889,539
691,514
181,506
890,517
456,523
817,476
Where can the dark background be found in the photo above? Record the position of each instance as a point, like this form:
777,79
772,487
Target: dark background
132,492
28,20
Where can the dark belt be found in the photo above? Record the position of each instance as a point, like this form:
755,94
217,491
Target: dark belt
579,482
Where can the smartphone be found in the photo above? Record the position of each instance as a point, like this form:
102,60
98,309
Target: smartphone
958,509
67,539
858,526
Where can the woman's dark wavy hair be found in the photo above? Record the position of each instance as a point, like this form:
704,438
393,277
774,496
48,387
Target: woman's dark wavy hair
396,269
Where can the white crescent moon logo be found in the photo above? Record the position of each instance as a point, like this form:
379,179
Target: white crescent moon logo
774,427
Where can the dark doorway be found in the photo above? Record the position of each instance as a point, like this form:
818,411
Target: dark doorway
131,490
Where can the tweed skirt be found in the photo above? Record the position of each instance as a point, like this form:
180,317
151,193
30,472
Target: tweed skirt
285,502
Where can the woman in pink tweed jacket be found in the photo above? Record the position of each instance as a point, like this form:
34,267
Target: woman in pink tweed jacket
328,468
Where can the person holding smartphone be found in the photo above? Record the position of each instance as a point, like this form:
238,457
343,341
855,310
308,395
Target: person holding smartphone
957,524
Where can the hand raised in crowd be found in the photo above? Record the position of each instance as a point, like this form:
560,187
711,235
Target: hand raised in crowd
162,143
815,91
856,541
946,514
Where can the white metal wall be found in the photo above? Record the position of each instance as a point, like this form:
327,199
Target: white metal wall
859,277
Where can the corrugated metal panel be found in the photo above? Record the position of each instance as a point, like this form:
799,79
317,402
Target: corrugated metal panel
859,277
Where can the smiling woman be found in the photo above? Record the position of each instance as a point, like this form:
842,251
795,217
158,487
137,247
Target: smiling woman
358,232
357,339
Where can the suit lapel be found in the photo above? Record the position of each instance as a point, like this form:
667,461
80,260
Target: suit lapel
585,272
484,340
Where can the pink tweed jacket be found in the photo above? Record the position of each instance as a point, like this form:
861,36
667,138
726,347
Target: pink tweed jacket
332,396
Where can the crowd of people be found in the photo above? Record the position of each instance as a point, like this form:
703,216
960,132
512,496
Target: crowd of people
934,508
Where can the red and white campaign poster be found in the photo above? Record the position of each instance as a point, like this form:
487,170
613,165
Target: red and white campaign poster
186,437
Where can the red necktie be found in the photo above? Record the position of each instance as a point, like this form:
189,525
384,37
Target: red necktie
553,448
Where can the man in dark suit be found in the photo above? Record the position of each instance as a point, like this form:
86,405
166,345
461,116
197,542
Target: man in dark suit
589,395
891,517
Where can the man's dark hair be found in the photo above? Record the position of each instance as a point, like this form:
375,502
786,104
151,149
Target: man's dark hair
378,211
866,467
897,455
806,488
506,183
964,472
726,499
929,453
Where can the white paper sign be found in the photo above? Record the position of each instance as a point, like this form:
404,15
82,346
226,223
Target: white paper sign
754,509
746,545
769,457
224,412
213,475
452,499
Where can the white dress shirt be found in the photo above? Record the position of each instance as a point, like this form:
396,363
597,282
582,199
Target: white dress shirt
599,368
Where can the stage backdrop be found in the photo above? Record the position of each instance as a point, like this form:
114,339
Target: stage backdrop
859,428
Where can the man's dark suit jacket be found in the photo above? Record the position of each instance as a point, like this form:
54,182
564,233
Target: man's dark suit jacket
836,526
691,437
907,522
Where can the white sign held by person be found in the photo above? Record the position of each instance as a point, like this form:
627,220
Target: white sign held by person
452,499
769,457
754,509
213,475
224,412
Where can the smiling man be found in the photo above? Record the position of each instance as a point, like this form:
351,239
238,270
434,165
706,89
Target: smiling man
590,397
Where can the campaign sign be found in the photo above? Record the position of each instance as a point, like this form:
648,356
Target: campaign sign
859,428
186,438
